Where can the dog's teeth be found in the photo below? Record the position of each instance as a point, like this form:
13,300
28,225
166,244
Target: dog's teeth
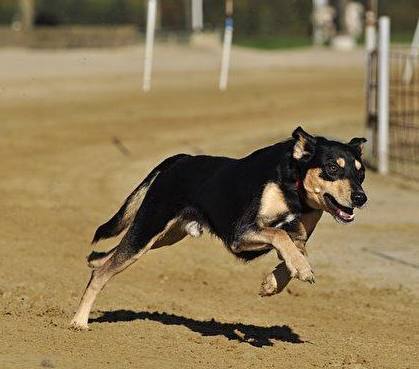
345,216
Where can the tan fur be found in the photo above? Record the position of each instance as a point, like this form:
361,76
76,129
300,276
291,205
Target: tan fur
100,276
272,204
308,222
276,281
279,239
174,232
135,203
299,148
357,165
295,261
97,262
362,148
316,187
251,242
341,162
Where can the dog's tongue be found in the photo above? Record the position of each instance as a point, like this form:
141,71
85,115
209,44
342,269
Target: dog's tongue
344,215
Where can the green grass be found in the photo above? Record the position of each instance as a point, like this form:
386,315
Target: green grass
273,42
288,42
401,38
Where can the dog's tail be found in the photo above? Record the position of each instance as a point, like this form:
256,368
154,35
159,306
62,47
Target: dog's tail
125,215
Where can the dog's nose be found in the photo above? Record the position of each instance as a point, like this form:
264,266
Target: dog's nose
358,198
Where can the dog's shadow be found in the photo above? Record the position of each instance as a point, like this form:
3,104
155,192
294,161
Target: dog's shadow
246,333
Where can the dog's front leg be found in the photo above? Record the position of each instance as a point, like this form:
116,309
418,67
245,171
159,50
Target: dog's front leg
276,281
294,260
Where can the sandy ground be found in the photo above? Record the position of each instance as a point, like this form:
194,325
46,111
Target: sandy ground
191,305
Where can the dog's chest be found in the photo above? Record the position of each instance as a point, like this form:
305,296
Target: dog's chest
273,209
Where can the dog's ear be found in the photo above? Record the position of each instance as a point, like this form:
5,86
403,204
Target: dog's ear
358,143
305,145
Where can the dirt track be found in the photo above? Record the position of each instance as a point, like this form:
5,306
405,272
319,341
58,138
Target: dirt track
191,305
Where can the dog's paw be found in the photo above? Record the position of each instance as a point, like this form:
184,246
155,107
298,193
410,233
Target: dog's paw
300,268
276,281
76,326
269,286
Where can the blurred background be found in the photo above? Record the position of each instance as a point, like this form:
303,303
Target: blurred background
78,133
263,24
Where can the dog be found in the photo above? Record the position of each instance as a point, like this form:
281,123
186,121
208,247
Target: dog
269,200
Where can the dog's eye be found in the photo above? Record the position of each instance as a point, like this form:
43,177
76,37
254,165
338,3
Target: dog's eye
332,168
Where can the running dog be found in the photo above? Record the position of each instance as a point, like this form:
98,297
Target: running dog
269,200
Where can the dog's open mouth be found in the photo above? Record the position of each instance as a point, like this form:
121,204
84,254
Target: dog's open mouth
340,213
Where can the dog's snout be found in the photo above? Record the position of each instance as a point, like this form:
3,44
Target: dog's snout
359,198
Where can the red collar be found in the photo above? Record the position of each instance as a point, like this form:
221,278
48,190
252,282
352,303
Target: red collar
299,185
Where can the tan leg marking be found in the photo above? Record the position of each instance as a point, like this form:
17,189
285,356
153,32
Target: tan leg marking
96,261
250,246
295,261
111,267
276,281
174,233
308,222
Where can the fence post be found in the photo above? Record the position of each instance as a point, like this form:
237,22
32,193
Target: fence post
27,14
414,52
149,44
383,93
197,15
228,36
370,48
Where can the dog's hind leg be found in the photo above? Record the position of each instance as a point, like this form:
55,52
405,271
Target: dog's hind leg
119,258
97,259
177,232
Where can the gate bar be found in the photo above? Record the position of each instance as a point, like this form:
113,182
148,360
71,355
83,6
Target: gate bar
383,94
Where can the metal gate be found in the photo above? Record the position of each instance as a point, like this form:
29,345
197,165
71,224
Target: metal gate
403,149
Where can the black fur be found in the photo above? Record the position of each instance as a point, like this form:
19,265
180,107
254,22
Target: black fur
115,225
224,194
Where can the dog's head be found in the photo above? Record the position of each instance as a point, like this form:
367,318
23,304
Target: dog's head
332,174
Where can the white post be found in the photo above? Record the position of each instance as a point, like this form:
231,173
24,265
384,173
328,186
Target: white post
197,15
370,47
149,44
228,37
383,93
414,52
318,8
27,14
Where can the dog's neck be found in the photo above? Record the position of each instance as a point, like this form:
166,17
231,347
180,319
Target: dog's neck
299,185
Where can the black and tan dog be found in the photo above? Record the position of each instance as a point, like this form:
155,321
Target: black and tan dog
269,200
